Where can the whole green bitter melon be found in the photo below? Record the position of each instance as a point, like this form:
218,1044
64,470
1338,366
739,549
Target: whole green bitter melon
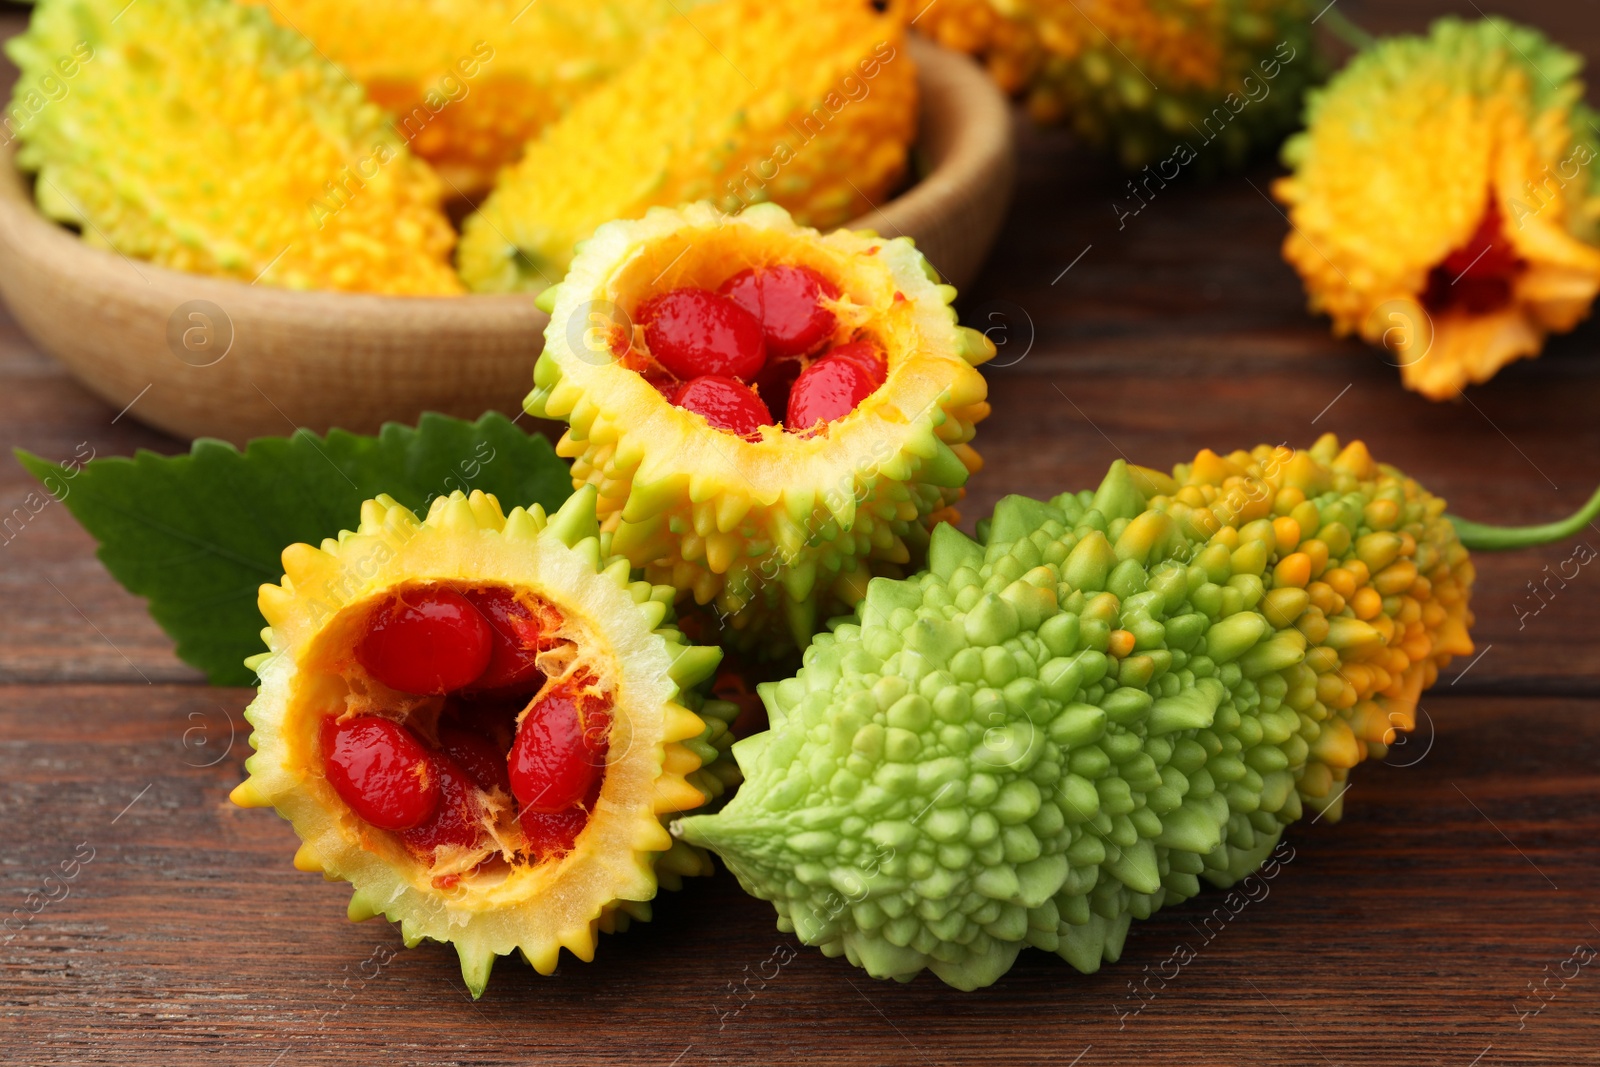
1119,694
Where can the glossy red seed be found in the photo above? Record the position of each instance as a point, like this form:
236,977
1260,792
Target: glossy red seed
513,641
426,642
551,835
726,404
477,756
458,819
865,355
381,770
692,332
829,389
788,303
1478,276
560,751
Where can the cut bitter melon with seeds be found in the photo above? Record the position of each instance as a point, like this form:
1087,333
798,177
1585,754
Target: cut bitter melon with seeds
1125,691
1466,251
480,722
775,525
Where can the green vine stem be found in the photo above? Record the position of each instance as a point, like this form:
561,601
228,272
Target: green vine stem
1347,31
1477,536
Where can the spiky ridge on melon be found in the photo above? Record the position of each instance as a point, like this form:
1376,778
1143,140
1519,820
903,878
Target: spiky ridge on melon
664,756
470,81
781,531
201,136
1124,691
810,106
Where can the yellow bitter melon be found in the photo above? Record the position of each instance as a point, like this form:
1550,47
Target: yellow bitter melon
780,531
487,870
1463,249
742,101
471,81
201,136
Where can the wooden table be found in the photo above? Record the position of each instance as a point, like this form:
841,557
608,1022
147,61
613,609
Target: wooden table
1465,872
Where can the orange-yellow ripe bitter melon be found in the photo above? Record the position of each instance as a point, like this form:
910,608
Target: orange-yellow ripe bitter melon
1445,200
201,136
784,529
471,81
812,107
473,858
1122,692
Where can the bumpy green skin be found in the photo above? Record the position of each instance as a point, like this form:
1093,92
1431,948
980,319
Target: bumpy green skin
953,774
1223,123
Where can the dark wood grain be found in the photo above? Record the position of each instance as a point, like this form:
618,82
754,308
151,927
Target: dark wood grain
1402,935
1407,934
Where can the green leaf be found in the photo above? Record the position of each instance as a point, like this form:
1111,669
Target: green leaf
197,534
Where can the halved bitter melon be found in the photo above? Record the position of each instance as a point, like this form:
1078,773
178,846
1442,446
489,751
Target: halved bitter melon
492,778
776,525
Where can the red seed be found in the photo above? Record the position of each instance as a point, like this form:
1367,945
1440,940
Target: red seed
829,389
864,354
693,332
381,770
513,641
551,835
427,642
477,756
458,820
560,751
726,404
788,303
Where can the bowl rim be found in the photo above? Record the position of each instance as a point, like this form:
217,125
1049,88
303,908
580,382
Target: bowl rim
974,147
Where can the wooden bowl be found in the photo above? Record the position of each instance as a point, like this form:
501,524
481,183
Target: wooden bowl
199,356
